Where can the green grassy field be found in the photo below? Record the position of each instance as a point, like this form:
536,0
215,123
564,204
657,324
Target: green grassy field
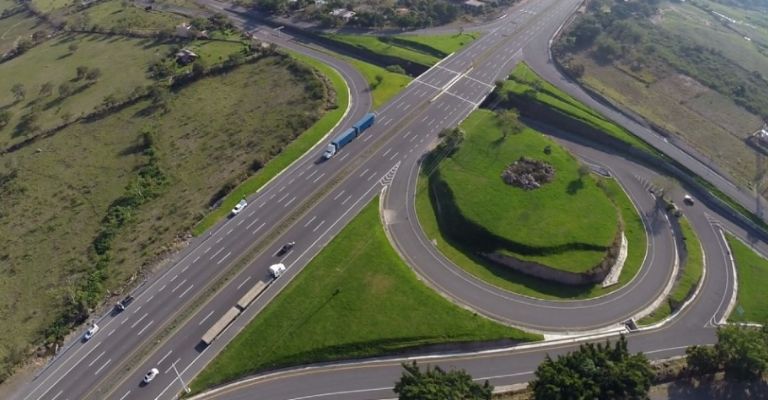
446,44
355,299
567,224
752,275
123,63
524,284
53,208
291,152
390,85
524,79
374,44
7,4
112,14
47,6
688,279
15,27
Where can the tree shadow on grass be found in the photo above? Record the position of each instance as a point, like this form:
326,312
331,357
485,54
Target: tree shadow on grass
574,186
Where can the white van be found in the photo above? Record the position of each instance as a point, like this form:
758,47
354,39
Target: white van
276,270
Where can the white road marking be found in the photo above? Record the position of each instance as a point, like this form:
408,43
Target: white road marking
318,177
172,279
313,218
140,319
280,200
364,172
292,199
311,175
195,260
281,189
393,156
386,152
216,253
185,292
371,177
102,367
243,282
137,309
345,155
346,200
164,357
337,394
260,226
224,258
97,358
125,395
251,224
206,317
367,137
172,364
207,250
145,327
110,333
178,286
58,394
291,181
318,226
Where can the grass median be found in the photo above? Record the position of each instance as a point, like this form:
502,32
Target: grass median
752,275
355,299
689,275
292,151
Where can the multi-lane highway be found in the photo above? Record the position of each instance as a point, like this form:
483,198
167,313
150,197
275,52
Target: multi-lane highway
312,200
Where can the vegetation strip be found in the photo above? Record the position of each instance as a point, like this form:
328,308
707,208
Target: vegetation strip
688,278
292,151
355,299
752,275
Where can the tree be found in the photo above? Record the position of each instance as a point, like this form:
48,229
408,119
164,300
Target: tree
509,122
46,89
65,89
82,71
437,384
595,371
72,47
19,92
702,360
584,170
742,351
93,74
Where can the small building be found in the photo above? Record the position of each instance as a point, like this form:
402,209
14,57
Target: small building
343,13
186,56
186,30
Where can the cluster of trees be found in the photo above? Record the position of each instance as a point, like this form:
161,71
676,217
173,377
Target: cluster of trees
599,371
740,351
216,22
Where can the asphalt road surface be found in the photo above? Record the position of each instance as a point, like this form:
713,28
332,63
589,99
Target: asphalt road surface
312,200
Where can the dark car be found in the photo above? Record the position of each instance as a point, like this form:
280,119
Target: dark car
122,304
286,247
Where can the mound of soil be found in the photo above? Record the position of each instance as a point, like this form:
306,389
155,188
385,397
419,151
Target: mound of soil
528,174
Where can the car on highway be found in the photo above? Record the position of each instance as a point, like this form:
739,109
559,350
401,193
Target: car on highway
151,374
122,304
90,332
687,199
286,247
240,206
276,270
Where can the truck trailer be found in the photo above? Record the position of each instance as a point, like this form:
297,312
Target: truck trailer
349,135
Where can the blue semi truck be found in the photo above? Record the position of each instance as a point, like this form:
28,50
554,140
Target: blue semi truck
349,135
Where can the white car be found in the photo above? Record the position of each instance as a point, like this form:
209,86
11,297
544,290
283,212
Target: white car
239,207
151,374
91,331
688,200
276,270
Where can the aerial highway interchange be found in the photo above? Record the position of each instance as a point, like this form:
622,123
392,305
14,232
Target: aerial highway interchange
312,200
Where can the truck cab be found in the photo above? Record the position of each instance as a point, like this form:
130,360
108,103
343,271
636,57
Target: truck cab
330,151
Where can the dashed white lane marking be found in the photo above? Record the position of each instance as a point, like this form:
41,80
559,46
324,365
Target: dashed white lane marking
125,395
345,155
251,224
178,286
153,296
102,367
386,152
371,177
314,217
259,228
243,282
57,394
318,177
205,318
311,175
289,201
393,156
367,137
145,327
187,290
216,253
110,333
318,226
283,197
172,364
195,260
136,310
224,258
364,172
338,195
97,358
281,189
174,277
346,200
140,319
162,288
164,357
